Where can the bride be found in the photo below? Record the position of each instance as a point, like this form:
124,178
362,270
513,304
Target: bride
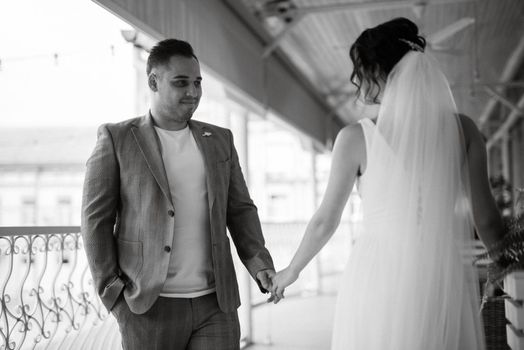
421,171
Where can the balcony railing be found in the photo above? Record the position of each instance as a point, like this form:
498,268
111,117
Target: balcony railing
47,296
48,300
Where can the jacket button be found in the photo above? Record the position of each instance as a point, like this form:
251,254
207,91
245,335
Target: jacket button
171,213
167,249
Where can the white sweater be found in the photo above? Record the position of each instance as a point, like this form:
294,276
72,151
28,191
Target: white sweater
190,271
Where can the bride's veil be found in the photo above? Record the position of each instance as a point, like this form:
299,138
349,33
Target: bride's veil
416,197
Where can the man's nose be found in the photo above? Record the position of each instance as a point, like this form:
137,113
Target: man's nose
192,91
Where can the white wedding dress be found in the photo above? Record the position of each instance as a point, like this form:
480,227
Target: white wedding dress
409,283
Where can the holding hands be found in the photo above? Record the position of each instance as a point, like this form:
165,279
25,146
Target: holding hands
265,277
280,281
276,283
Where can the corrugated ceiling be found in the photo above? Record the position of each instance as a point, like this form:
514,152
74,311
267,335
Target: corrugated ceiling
318,42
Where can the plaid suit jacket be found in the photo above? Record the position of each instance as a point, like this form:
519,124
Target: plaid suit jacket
127,214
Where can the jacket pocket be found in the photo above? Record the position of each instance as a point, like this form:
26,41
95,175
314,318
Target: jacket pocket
130,258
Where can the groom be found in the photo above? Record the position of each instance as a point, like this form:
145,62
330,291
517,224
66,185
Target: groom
159,192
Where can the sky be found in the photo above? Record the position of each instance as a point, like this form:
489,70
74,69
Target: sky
65,63
90,80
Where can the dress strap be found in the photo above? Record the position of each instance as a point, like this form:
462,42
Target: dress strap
368,127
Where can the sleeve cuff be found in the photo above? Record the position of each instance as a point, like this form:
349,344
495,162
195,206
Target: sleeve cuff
261,261
111,292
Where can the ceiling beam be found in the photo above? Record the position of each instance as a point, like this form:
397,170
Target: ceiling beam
469,86
276,41
230,47
436,38
504,100
254,24
505,84
503,130
512,65
301,12
375,5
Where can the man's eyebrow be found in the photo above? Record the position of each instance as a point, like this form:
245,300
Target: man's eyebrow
185,77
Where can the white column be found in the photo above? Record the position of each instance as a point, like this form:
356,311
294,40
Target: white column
238,123
506,166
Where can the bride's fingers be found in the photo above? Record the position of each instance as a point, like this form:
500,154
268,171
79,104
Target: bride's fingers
274,287
271,298
279,293
276,299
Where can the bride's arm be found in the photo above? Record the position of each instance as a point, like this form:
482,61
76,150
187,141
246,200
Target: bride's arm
486,215
348,152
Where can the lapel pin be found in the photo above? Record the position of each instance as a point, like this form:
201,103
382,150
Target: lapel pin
207,134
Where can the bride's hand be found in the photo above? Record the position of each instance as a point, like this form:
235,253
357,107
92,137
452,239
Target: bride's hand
280,281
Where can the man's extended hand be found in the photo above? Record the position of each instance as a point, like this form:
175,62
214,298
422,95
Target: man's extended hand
265,278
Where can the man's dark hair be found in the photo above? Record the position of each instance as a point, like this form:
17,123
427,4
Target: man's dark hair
162,52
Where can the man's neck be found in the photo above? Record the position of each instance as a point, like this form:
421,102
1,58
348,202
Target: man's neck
165,122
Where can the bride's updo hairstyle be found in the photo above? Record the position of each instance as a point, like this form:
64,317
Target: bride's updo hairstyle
377,50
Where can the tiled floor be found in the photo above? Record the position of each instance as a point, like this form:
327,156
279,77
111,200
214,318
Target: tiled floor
294,324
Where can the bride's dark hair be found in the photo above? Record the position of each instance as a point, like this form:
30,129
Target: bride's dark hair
377,50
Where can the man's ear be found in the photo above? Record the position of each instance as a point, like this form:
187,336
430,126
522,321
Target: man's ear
151,81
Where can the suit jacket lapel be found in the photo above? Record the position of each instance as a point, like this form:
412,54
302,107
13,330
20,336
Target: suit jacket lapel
149,144
204,140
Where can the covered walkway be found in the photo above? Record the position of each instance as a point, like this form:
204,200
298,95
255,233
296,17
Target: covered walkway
294,324
279,79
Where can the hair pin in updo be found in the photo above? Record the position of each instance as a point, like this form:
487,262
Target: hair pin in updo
412,45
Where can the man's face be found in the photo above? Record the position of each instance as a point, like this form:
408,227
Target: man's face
178,88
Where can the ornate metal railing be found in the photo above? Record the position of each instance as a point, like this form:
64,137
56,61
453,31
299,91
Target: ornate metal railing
48,301
47,297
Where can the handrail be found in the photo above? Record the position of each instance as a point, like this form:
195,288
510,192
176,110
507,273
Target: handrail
36,230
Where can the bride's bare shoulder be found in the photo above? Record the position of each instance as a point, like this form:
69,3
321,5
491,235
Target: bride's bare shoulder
351,141
472,134
352,134
466,122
